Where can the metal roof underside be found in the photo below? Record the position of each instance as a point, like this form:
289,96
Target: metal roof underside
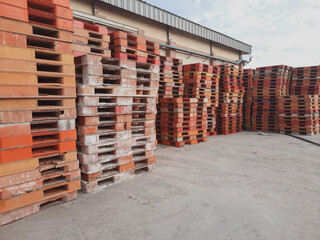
157,14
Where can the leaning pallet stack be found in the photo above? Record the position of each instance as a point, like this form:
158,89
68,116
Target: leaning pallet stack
231,91
299,112
202,82
247,98
116,118
183,121
90,38
38,159
270,83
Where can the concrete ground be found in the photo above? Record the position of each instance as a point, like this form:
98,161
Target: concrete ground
239,187
315,139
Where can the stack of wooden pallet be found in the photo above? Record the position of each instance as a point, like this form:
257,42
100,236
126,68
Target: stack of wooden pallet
144,110
231,91
38,159
183,121
247,98
202,82
116,118
130,46
197,80
306,81
213,102
171,87
90,38
171,78
270,83
299,112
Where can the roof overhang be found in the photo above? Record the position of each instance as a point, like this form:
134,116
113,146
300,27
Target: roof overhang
157,14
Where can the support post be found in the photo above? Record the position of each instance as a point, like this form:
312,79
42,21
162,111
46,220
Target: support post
212,61
170,52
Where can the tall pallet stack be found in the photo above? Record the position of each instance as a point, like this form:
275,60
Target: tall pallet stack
247,98
116,118
38,159
183,121
144,112
147,53
171,87
90,38
202,82
231,93
270,83
198,80
299,112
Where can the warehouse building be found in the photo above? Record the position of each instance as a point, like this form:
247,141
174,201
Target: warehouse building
94,94
177,36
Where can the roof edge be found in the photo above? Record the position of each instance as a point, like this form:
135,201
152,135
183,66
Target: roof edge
157,14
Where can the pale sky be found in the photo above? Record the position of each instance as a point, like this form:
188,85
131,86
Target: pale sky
280,31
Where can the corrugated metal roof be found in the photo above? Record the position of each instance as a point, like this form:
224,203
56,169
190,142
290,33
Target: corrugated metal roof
157,14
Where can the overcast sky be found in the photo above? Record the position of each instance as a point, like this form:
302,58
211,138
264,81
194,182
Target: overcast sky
280,31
